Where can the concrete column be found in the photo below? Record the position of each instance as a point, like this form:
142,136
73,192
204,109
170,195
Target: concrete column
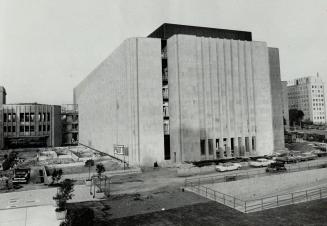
242,147
228,149
236,148
221,148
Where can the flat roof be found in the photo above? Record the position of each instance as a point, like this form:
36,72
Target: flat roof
167,30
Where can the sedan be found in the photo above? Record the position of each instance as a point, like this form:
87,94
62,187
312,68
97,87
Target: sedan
261,162
228,167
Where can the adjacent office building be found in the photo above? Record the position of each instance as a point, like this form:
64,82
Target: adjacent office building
69,120
184,93
31,125
286,117
308,95
2,102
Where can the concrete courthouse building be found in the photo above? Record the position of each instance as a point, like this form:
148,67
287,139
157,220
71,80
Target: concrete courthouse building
184,93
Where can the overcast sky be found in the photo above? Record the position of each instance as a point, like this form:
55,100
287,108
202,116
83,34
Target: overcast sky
47,47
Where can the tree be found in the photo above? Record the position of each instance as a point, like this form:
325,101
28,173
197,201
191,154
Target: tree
66,189
56,175
89,163
296,116
100,169
10,160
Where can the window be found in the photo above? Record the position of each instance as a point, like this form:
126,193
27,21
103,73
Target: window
253,143
9,129
32,117
5,117
14,117
27,117
217,143
48,128
32,129
232,144
27,129
9,117
21,117
5,129
39,117
48,117
44,128
40,128
203,147
210,146
21,128
43,118
14,129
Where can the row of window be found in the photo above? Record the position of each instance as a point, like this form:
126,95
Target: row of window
320,104
316,87
318,100
26,117
318,109
321,117
10,129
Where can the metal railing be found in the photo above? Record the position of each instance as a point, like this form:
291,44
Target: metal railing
260,204
253,173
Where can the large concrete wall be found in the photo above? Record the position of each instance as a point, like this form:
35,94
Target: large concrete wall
277,99
120,102
218,89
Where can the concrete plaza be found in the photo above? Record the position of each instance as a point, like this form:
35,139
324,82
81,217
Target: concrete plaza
29,216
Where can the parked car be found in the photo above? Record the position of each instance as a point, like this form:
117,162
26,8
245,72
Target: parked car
276,167
21,175
228,167
309,156
287,159
261,162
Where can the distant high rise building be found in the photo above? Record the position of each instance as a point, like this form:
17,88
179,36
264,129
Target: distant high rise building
307,94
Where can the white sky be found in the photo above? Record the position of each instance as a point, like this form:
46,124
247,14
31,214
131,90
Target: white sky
47,47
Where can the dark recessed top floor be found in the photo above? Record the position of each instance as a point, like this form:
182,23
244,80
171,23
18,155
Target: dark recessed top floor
166,30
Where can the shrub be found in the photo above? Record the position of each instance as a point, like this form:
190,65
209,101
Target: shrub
89,163
100,169
56,176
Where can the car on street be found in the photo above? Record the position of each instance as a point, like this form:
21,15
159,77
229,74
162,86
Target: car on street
276,167
288,159
228,167
261,162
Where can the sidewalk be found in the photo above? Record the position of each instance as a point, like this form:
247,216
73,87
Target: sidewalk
41,197
30,216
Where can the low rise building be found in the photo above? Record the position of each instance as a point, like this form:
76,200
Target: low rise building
69,119
31,125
